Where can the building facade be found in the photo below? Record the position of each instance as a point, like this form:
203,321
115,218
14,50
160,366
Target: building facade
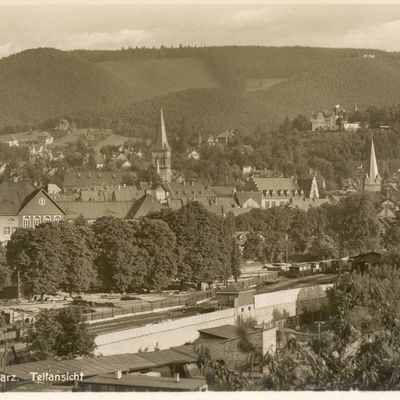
326,120
23,206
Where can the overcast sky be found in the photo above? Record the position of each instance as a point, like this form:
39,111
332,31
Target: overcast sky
111,27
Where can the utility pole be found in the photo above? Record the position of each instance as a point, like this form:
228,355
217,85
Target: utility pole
18,285
287,250
5,361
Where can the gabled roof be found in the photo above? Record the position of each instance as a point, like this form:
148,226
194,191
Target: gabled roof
145,205
223,191
242,197
14,196
127,194
96,195
226,202
91,210
275,184
93,178
193,190
91,366
223,331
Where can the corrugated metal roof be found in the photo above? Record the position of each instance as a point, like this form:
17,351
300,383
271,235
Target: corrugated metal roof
145,381
224,331
169,356
188,349
89,366
106,364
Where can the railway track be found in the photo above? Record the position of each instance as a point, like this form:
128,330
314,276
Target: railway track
136,321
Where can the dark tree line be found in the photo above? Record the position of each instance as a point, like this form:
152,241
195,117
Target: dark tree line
347,228
189,245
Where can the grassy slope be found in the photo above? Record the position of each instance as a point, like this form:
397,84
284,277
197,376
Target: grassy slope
155,77
350,81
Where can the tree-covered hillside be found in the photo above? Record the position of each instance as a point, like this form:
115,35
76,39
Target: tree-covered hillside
42,83
202,88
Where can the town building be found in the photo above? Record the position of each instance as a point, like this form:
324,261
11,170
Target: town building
372,181
161,152
285,191
351,126
23,206
193,155
223,138
326,120
76,180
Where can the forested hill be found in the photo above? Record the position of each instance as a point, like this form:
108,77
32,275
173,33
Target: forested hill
204,90
41,83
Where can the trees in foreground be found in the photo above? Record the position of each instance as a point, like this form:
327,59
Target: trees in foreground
59,334
360,352
114,254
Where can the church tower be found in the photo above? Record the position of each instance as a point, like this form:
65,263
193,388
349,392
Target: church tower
373,181
161,152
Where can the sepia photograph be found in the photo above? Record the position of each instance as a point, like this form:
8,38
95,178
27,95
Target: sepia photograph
199,197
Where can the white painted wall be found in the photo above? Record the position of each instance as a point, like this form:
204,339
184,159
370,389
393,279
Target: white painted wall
163,335
180,331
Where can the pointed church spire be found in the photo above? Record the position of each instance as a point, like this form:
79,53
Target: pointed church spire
373,166
161,143
157,166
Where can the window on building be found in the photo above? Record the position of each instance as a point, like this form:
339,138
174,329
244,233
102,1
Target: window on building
273,204
267,204
242,309
36,220
47,218
57,218
249,308
282,203
7,230
14,229
26,222
42,201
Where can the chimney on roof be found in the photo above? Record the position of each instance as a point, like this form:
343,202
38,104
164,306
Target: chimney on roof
118,374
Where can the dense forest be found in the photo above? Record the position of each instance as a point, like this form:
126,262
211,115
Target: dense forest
206,86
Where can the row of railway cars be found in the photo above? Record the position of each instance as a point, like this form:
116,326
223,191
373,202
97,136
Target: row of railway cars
315,267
